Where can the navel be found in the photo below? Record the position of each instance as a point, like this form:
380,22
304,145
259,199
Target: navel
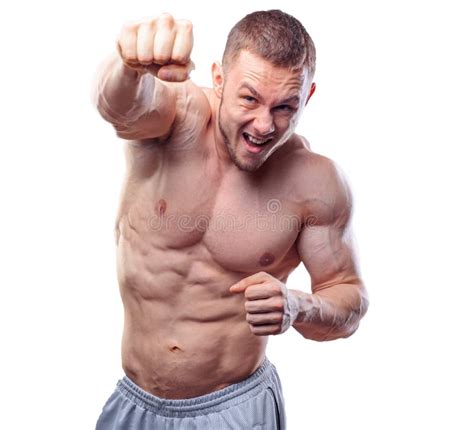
266,259
160,207
175,349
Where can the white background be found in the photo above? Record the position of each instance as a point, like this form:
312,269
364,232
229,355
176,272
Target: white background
393,107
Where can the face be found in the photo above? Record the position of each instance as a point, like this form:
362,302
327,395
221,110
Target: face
260,105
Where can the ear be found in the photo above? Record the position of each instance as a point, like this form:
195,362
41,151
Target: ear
311,92
217,78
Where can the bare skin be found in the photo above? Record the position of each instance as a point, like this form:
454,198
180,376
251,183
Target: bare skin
208,230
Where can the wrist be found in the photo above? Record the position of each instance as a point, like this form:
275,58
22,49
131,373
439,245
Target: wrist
294,306
306,306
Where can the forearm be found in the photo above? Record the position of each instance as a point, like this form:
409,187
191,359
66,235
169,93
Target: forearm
122,94
330,313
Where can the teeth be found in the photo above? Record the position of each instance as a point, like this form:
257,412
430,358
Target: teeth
256,141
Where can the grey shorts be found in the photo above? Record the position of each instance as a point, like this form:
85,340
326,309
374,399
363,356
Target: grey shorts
256,403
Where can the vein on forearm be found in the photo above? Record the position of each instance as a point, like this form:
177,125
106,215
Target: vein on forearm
332,312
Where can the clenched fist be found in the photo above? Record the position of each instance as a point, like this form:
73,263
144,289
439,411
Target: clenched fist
161,46
269,306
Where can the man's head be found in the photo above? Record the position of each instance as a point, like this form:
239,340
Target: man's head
263,85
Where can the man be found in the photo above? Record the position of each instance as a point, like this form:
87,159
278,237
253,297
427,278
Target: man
221,202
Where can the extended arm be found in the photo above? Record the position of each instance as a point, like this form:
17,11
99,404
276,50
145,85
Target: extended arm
132,89
137,104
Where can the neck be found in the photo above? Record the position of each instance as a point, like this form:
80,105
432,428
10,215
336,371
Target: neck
219,140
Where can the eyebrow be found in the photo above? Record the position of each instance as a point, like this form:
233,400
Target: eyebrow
251,89
257,95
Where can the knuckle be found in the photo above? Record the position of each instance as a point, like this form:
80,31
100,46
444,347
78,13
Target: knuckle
149,26
154,22
165,19
274,329
185,25
150,23
275,289
279,305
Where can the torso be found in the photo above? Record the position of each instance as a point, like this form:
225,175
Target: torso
188,228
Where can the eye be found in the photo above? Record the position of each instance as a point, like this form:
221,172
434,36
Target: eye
285,108
249,99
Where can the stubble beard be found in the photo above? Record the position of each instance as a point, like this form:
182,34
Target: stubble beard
231,151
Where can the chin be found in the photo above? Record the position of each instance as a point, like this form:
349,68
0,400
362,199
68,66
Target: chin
241,164
246,166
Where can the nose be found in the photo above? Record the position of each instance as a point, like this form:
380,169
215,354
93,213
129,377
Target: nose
263,123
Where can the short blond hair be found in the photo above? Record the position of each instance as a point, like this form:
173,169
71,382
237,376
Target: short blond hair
276,37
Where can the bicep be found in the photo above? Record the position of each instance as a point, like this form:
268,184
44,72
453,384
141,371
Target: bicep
325,243
327,253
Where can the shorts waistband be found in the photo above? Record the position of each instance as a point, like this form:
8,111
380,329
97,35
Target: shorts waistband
207,403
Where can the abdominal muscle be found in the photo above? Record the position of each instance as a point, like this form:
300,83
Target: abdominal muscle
184,334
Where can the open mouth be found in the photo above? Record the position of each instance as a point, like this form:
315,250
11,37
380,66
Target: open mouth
254,144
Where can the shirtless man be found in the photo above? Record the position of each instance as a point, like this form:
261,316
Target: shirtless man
221,202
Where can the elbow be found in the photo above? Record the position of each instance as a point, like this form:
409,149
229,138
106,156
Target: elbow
341,330
341,333
319,335
335,334
364,301
349,331
352,324
363,308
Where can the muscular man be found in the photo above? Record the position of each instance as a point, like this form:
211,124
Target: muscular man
221,202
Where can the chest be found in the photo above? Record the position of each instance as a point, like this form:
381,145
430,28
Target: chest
240,225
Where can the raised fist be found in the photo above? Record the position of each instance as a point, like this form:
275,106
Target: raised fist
161,46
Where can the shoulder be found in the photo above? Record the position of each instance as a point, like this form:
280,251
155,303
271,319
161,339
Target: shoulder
321,188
